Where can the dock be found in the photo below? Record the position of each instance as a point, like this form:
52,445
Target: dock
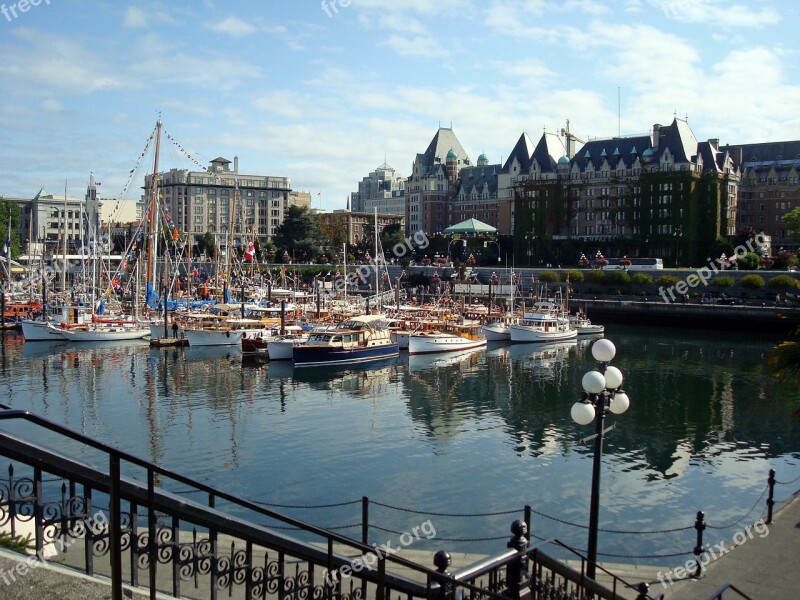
168,342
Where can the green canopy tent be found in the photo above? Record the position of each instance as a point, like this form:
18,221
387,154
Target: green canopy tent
471,226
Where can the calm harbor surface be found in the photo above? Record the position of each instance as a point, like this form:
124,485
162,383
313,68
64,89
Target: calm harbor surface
484,432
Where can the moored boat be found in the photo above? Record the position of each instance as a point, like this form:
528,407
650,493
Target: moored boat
546,323
454,338
358,339
104,333
584,326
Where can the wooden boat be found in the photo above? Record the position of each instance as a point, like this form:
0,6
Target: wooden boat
454,338
358,339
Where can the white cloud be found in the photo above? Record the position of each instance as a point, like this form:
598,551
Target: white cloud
719,12
232,26
422,46
51,105
134,18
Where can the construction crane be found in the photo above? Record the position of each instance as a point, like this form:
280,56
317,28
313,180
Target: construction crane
570,137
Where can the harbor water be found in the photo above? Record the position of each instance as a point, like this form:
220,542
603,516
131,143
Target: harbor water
463,442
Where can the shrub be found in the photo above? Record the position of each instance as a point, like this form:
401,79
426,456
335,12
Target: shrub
619,278
642,279
786,282
16,543
723,281
748,262
752,281
574,276
666,281
549,277
595,276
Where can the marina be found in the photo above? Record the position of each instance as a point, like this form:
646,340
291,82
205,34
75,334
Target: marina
477,432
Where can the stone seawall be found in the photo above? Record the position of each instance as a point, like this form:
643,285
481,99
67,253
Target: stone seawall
720,317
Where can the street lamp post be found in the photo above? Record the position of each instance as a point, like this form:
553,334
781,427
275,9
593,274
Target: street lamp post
496,243
450,244
602,393
678,235
528,238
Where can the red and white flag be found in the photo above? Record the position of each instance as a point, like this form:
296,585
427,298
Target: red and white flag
250,252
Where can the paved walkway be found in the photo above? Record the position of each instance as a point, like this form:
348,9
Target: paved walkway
765,566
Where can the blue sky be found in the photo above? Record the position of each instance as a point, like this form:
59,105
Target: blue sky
322,96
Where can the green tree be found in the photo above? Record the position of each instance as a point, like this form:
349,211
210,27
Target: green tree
333,235
206,244
298,234
792,222
392,235
10,212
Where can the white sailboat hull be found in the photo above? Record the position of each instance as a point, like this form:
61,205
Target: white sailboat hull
105,334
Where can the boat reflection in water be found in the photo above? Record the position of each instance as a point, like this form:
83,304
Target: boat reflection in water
422,362
360,378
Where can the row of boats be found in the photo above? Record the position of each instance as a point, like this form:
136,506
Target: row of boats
354,338
366,338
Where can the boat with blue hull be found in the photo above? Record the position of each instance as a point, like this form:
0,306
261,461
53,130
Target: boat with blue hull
359,339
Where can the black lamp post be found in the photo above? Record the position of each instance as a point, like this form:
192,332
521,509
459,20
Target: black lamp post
602,393
678,235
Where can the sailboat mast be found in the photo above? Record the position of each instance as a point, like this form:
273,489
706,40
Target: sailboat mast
152,214
64,255
377,261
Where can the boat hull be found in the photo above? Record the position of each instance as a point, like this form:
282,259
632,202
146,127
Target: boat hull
496,333
283,349
39,331
431,345
110,334
526,334
306,355
198,337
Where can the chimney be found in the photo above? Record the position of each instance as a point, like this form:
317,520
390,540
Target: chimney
236,164
656,129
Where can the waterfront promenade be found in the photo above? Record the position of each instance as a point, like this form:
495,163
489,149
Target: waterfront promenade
763,568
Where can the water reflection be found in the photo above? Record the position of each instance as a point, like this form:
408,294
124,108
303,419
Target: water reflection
475,431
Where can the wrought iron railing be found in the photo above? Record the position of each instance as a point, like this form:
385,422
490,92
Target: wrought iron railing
133,530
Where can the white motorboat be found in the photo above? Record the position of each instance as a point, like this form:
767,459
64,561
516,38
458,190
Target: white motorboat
544,324
224,331
455,337
585,327
39,330
281,347
498,330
